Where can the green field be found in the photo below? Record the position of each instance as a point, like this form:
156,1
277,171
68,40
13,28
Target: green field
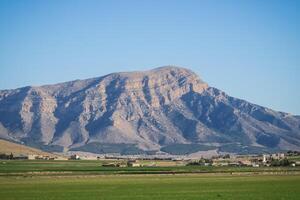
25,179
84,167
182,187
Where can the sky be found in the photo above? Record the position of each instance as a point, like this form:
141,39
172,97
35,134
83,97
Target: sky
249,49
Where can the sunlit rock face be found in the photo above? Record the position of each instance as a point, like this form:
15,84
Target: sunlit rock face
150,109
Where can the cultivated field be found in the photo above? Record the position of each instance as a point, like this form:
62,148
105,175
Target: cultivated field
45,180
94,167
151,187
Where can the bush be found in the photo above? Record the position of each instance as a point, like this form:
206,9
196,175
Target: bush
277,163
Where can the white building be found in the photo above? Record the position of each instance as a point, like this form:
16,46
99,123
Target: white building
266,158
75,157
32,157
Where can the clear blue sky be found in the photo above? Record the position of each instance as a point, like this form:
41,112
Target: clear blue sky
250,49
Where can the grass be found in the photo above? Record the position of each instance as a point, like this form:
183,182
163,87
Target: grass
181,187
47,180
24,167
95,167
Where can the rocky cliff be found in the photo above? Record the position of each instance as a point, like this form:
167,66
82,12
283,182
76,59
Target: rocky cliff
168,108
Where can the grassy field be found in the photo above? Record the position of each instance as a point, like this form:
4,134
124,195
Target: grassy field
182,187
84,167
39,179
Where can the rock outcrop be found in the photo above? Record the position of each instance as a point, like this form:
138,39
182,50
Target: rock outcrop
150,110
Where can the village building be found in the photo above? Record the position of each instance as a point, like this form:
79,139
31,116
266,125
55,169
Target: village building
32,157
75,157
133,164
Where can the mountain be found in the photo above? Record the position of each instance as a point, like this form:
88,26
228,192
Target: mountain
166,109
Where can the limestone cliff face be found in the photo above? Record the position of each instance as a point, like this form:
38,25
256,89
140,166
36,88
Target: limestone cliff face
151,109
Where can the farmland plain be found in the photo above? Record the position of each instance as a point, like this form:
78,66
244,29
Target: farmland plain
47,180
188,187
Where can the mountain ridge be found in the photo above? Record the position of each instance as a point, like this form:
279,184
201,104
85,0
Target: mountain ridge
149,110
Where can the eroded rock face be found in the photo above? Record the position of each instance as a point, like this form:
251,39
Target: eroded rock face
152,109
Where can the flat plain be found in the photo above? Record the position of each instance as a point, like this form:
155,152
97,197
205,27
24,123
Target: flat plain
161,187
94,167
46,180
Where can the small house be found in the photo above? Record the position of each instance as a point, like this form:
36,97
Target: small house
75,157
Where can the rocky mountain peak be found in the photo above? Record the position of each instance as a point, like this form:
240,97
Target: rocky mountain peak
142,111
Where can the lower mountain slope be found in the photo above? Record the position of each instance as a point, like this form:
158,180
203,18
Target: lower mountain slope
7,148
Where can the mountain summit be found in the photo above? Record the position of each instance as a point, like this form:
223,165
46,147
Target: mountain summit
166,109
